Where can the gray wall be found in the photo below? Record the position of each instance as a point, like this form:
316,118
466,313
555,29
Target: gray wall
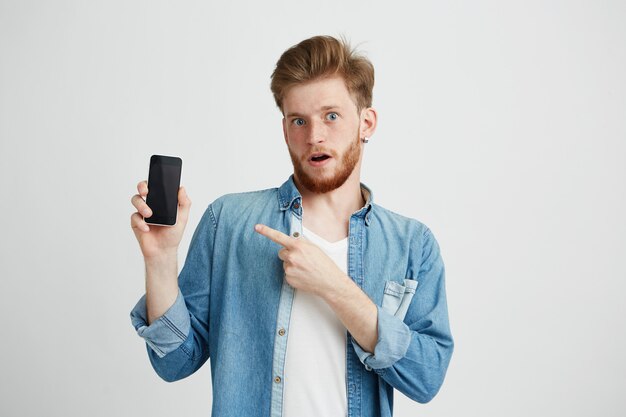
501,127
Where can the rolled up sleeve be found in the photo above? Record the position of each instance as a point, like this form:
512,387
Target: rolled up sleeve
166,333
394,338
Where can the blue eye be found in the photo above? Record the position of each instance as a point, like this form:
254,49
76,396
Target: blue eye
298,122
332,116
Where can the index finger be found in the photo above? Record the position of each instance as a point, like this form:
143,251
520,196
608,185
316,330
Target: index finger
142,188
274,235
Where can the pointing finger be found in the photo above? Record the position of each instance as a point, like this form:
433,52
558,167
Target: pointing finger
274,235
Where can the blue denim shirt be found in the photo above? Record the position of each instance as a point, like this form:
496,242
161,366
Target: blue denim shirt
234,305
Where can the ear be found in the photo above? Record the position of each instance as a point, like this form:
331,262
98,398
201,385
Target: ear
285,130
367,127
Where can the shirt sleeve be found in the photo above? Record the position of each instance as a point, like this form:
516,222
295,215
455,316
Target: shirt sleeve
168,332
412,354
394,338
178,342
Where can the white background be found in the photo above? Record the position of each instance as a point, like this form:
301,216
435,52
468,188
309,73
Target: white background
501,127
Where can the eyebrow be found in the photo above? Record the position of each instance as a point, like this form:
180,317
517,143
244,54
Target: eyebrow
323,108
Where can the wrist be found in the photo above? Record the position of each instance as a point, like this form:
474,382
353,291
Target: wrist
338,291
163,258
162,270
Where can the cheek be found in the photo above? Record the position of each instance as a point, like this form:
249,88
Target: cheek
349,128
293,141
294,135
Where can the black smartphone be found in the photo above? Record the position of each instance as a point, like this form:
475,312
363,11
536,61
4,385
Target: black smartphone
163,185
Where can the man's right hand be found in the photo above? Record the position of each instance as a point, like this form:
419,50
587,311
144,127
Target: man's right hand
158,241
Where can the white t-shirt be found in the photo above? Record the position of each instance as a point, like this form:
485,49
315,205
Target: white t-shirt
315,362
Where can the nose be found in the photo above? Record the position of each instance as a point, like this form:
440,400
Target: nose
317,132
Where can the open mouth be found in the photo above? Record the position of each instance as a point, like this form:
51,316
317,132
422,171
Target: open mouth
319,157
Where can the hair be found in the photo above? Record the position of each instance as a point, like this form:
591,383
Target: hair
320,57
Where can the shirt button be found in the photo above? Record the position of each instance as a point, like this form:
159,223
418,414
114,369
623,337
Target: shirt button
296,205
277,380
281,332
296,234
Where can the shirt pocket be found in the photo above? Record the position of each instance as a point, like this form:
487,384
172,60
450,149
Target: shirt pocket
397,297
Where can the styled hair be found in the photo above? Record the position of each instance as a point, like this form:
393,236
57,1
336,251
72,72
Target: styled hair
319,57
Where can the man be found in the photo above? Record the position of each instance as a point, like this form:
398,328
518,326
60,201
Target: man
309,299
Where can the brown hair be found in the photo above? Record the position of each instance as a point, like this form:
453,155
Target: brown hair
322,56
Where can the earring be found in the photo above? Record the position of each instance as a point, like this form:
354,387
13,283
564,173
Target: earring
364,140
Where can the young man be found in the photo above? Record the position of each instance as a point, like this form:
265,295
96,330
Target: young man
309,299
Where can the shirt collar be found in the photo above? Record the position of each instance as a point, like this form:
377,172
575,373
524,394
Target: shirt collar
288,194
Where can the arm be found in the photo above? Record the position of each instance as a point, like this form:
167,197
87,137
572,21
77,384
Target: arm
355,310
161,284
413,354
411,357
177,341
308,268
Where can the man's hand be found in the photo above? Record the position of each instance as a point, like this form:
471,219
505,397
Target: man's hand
306,266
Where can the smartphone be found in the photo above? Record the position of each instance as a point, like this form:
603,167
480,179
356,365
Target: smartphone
163,185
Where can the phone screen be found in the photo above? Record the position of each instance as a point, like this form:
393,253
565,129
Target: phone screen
163,184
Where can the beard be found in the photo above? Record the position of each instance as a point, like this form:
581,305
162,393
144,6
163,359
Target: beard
323,183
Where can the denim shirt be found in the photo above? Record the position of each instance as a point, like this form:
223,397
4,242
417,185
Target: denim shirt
234,305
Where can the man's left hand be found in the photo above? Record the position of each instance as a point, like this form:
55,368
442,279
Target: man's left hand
306,266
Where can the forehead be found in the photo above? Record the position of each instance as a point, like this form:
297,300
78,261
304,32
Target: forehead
316,94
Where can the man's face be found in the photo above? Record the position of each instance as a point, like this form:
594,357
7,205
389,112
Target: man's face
321,118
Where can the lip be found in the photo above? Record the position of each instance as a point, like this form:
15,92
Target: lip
314,154
319,163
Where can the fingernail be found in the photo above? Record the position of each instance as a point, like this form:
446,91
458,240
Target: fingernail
257,227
